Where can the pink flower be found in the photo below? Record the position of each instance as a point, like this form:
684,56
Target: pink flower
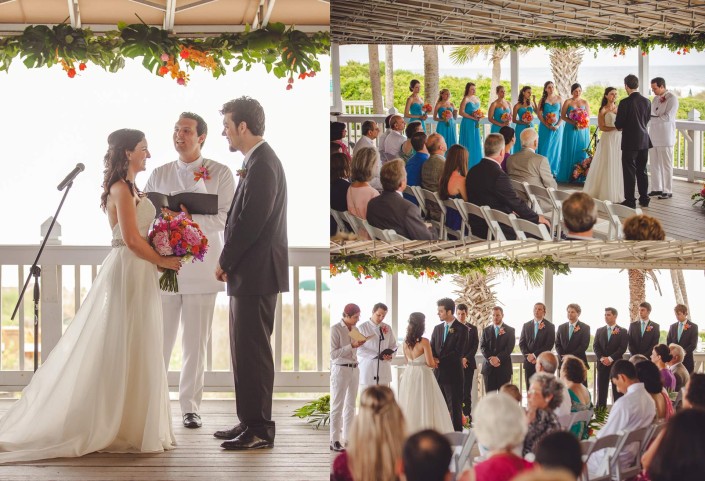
191,236
161,243
165,57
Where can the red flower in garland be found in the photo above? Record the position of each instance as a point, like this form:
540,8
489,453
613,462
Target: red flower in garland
71,72
81,66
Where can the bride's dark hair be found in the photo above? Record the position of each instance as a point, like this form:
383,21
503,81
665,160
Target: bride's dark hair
115,160
604,96
415,329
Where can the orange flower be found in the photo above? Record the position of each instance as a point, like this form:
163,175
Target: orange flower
163,70
71,72
302,76
184,53
82,66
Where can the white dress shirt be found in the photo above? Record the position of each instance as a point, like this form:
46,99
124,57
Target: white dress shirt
341,350
393,143
367,353
635,410
662,128
364,142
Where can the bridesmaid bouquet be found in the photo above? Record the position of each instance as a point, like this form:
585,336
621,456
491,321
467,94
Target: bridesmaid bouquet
447,115
177,236
580,117
528,117
427,108
550,118
478,114
505,117
699,197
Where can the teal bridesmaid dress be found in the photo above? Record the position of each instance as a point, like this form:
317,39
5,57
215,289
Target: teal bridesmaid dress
550,141
447,128
575,141
416,109
520,127
498,112
470,135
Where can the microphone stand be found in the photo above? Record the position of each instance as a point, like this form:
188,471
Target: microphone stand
379,350
36,272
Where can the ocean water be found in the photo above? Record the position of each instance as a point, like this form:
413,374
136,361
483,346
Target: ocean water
685,80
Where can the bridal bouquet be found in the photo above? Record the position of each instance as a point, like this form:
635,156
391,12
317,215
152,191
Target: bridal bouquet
527,117
447,115
580,117
550,118
178,236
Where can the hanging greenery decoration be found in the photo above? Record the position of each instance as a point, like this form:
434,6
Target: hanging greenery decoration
362,266
284,52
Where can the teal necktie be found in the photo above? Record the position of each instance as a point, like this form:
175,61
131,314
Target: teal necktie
445,333
680,330
496,331
609,334
571,328
643,326
536,328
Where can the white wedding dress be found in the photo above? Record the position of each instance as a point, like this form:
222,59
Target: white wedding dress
605,180
421,399
103,387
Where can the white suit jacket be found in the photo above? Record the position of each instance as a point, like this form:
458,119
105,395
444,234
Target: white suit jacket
367,353
174,177
662,128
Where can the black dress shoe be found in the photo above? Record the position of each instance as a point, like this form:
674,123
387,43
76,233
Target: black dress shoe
654,193
246,441
665,195
192,420
629,204
644,203
336,446
230,433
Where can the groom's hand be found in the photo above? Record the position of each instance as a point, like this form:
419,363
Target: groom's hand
220,274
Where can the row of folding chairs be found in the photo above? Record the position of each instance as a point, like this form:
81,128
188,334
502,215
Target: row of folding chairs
346,221
462,444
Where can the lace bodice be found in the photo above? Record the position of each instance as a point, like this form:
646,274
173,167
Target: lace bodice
609,119
145,216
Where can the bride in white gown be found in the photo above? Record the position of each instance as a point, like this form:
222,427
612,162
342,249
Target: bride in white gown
104,387
420,396
605,180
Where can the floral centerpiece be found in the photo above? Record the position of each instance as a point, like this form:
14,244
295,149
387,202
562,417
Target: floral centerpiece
581,169
447,115
527,117
178,236
699,198
580,117
550,118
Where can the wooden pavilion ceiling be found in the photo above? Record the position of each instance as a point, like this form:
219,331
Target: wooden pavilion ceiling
181,16
461,22
612,255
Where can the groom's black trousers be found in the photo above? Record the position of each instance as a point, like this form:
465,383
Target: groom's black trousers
634,166
453,394
251,325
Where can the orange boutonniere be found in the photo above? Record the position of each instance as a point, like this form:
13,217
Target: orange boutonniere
541,325
649,328
577,328
615,330
501,331
241,173
451,330
201,173
686,326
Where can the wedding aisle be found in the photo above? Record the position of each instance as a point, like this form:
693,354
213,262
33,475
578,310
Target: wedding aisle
300,453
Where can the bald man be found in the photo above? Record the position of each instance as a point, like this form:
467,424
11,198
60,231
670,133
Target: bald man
548,362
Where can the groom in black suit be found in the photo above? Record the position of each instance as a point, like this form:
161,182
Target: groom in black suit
448,345
255,265
633,115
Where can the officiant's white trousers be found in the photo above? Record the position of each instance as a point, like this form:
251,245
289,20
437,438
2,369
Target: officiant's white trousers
343,392
661,169
194,312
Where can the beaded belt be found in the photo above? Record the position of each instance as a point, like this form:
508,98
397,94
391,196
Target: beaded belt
347,365
118,243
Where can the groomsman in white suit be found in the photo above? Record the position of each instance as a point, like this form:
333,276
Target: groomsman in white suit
373,369
192,306
662,130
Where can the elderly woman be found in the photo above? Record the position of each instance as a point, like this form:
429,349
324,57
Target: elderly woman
573,374
545,394
500,427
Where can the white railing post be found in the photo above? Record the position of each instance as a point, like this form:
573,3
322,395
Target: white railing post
51,314
335,77
514,74
694,148
643,73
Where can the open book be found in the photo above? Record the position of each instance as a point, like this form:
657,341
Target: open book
196,203
356,335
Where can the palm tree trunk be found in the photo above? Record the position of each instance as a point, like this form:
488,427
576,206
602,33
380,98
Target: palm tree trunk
496,58
430,69
388,77
678,282
637,292
375,81
565,63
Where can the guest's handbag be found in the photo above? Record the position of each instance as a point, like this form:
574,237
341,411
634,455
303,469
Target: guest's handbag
581,169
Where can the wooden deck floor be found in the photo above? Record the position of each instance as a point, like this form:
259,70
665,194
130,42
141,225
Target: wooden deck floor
300,453
680,219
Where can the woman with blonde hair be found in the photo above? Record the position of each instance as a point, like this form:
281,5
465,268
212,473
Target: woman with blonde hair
376,441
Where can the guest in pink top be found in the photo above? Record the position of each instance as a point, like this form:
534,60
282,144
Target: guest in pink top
338,132
500,427
364,168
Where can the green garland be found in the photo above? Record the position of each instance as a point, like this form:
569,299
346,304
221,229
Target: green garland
362,266
285,52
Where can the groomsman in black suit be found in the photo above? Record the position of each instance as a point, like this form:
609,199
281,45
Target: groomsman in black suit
469,363
448,346
644,334
497,343
537,336
609,345
573,337
633,116
685,334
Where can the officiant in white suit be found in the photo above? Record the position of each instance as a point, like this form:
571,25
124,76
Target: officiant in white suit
192,306
368,353
662,130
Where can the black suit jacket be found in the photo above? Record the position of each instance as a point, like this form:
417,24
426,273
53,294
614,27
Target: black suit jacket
545,338
487,184
391,211
576,345
256,252
643,345
633,116
614,348
501,347
471,345
689,341
450,352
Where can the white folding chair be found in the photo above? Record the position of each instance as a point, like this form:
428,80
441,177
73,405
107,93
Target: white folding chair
565,421
606,442
338,217
652,434
520,190
605,230
432,199
452,204
619,213
620,473
541,192
601,229
538,231
581,417
468,208
411,192
419,198
376,233
355,222
500,218
464,456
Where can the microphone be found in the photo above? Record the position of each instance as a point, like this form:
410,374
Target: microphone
72,175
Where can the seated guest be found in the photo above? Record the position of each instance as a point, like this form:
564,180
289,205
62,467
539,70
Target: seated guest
370,131
376,439
544,395
382,137
335,147
451,184
548,362
486,184
649,374
679,456
643,227
511,390
433,167
500,426
407,149
416,161
573,374
680,373
545,475
528,166
637,358
395,138
365,166
391,211
634,410
339,184
338,131
560,450
661,355
426,457
509,140
579,216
